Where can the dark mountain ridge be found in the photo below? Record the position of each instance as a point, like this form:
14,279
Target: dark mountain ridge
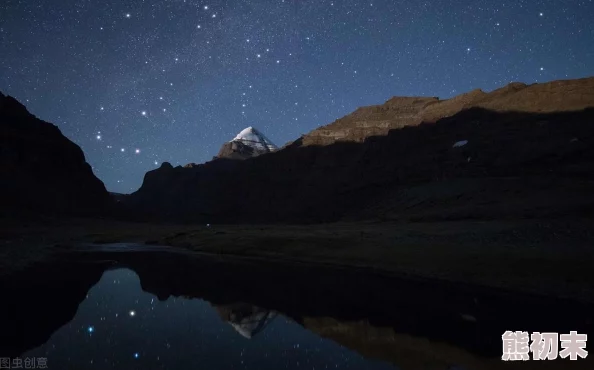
41,170
520,151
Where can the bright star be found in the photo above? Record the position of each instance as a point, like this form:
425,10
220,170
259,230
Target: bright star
541,14
136,355
101,108
278,61
98,137
199,26
258,55
122,150
214,15
137,151
132,313
542,68
205,7
156,163
128,15
143,113
90,329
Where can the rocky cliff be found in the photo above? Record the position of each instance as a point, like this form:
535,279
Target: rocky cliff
398,112
520,151
40,169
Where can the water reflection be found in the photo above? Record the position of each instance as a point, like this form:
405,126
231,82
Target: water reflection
133,329
248,320
121,308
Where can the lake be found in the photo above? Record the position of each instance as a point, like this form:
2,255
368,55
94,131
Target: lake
137,307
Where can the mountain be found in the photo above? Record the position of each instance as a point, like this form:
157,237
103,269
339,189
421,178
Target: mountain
522,151
248,320
399,112
247,144
40,169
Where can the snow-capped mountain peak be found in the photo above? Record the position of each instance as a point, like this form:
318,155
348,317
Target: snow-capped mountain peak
254,138
247,144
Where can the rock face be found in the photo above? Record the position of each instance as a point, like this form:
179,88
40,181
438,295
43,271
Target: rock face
556,96
40,169
247,144
517,152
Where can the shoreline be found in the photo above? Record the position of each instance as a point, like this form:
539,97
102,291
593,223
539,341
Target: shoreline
545,257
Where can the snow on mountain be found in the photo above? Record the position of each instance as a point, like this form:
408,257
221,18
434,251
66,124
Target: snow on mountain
254,138
247,144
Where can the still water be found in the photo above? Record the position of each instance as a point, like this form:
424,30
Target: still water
119,326
137,307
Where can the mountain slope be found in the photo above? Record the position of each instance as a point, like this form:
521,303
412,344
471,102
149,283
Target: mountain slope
40,169
518,160
398,112
247,144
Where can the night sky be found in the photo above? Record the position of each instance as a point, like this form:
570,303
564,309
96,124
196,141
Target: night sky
136,83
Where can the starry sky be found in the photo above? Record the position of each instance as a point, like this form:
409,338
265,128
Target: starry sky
119,326
139,82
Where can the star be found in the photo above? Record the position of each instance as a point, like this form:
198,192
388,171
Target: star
136,355
122,150
132,313
541,14
101,108
98,137
128,15
137,151
156,163
91,329
143,113
542,68
205,7
214,15
199,26
258,55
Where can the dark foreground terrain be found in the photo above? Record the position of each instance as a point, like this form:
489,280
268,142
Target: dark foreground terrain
550,257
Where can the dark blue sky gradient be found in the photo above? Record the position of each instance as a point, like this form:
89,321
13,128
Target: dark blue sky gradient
285,67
